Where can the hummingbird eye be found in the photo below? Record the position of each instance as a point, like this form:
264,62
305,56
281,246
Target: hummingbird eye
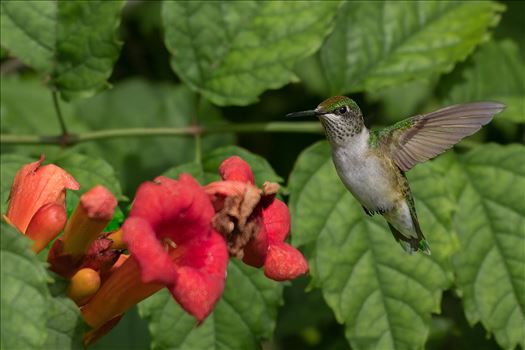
342,110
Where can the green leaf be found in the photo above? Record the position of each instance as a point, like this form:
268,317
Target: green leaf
90,171
26,108
209,171
23,293
402,101
383,295
381,43
130,333
233,51
65,325
10,164
243,316
490,222
496,74
139,104
72,41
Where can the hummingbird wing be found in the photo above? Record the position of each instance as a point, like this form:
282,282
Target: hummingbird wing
417,139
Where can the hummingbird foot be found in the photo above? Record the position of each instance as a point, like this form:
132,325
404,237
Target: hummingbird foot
373,212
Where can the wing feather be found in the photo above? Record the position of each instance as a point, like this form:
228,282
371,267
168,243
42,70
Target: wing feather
431,134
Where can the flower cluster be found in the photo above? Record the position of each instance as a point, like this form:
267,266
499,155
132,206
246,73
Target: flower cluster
178,235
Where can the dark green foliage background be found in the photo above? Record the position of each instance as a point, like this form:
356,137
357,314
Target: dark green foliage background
172,64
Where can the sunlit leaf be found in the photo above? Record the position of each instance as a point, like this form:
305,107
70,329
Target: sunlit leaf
74,42
383,295
497,74
232,51
490,222
244,315
382,43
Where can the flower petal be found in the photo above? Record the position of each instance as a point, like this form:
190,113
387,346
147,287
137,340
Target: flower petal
178,210
155,263
236,169
284,262
201,270
276,218
256,250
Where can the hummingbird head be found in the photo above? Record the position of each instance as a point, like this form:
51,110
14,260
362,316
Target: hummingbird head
341,118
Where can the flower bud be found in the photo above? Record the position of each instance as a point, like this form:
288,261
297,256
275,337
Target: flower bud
93,213
46,224
123,289
84,283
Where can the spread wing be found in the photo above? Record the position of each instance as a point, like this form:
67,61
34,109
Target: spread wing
422,137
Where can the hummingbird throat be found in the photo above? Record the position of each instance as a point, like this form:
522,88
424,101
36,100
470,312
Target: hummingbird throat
340,129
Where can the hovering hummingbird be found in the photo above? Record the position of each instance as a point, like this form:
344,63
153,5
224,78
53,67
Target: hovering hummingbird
372,164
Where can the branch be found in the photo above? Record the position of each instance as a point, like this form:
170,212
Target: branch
59,115
72,139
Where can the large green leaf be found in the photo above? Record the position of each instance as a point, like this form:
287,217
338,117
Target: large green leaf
382,43
23,293
490,222
72,41
232,51
383,295
244,315
497,74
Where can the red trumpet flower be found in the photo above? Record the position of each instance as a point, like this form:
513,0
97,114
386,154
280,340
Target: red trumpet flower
173,244
254,222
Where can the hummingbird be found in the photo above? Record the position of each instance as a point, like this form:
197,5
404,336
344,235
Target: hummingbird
372,163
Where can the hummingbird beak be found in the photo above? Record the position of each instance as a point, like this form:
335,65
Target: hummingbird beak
311,113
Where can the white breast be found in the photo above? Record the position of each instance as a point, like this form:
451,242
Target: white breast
363,173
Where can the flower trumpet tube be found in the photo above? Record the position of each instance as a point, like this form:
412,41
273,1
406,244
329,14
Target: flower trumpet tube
117,239
93,213
37,201
82,244
123,289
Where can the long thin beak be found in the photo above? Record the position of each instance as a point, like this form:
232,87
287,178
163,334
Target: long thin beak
311,113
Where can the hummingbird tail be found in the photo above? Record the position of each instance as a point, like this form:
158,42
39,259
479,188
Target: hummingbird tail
410,245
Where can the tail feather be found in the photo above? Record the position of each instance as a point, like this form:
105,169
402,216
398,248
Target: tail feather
409,244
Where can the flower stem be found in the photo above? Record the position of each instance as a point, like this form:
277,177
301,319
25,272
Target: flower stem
63,127
71,139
